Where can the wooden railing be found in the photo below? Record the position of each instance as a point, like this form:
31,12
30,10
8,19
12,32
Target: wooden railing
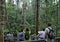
57,39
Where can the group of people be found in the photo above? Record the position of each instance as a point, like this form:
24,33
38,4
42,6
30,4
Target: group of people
16,37
46,34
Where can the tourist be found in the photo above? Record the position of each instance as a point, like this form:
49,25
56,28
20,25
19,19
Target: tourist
21,35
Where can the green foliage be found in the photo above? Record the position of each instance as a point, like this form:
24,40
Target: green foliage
47,12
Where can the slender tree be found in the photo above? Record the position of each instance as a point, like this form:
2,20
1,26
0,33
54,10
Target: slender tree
37,16
56,18
23,14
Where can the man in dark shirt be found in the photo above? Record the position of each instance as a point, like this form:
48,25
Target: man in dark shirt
15,36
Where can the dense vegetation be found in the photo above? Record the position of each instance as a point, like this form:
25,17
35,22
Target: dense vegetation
16,14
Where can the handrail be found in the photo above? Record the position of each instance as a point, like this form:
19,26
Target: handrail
57,38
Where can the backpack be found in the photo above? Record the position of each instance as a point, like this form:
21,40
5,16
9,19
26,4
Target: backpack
51,34
26,36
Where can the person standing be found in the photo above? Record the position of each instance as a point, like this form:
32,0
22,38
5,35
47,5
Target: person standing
21,35
27,34
50,33
15,36
42,35
9,37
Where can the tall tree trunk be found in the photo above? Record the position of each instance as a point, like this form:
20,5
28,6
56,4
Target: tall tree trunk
46,10
56,18
2,14
37,16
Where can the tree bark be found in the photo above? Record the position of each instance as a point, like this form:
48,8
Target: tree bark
37,16
2,15
23,15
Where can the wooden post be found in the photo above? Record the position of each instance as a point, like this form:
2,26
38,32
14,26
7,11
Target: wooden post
2,15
